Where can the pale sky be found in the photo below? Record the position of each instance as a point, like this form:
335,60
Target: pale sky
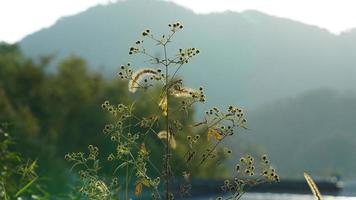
19,18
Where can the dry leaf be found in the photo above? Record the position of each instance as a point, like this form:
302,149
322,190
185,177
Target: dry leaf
138,189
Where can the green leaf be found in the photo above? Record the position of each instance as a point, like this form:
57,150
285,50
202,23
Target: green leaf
28,185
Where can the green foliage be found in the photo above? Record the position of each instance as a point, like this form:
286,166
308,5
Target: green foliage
52,113
18,178
93,187
58,113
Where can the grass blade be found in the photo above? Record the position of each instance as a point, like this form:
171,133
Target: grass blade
312,186
22,190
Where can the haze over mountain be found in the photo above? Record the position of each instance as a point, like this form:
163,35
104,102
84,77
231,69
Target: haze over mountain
314,131
289,56
249,59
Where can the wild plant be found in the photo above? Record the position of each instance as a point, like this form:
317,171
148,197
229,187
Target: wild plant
18,177
246,175
185,149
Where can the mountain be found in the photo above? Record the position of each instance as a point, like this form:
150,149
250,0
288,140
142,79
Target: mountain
273,67
290,57
313,131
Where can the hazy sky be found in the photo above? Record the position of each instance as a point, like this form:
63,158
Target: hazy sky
21,17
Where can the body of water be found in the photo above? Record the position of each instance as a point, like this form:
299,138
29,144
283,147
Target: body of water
347,193
271,196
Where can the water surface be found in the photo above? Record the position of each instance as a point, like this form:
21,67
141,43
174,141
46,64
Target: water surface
270,196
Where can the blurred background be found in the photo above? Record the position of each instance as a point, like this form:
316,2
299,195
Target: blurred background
290,64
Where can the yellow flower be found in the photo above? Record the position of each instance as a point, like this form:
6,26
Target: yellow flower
143,149
163,104
212,133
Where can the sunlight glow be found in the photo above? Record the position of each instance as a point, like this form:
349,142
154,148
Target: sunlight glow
19,18
334,15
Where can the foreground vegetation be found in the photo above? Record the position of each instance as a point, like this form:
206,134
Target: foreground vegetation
152,139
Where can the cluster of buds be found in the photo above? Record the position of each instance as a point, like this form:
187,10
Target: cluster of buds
185,54
75,156
80,156
245,171
214,111
93,152
235,186
108,128
248,163
122,150
175,26
111,157
194,94
146,32
148,122
135,49
269,172
237,115
247,166
193,140
200,95
96,189
119,110
235,110
221,124
125,71
229,186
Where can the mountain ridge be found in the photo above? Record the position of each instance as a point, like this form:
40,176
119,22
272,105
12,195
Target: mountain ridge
103,33
248,11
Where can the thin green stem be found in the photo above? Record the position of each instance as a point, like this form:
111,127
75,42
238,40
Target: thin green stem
167,156
240,195
175,73
127,183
